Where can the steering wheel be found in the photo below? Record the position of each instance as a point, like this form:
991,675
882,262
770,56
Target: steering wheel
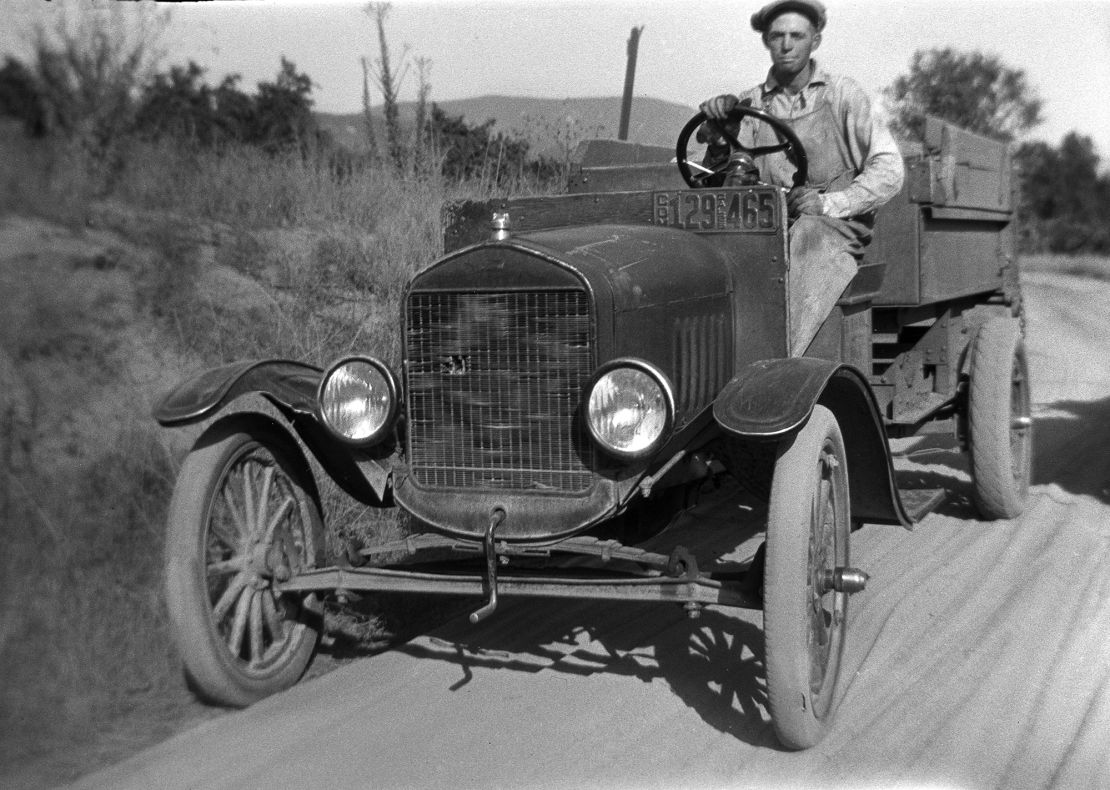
789,143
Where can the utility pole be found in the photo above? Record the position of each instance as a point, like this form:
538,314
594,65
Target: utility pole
629,79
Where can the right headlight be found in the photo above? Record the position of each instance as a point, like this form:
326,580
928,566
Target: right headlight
630,408
358,400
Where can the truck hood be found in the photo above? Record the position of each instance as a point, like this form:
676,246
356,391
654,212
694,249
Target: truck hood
639,266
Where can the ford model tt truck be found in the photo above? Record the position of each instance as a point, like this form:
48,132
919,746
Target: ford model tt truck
571,358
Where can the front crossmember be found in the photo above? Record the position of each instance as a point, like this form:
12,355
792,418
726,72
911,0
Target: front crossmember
640,576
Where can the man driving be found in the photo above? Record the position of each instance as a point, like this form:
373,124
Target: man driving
854,163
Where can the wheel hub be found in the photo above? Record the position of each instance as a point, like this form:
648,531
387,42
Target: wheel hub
266,562
843,580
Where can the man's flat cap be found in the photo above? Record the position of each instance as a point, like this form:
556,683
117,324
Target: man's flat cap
763,18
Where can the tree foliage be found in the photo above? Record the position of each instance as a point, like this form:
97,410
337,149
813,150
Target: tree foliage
88,69
478,153
181,105
282,115
19,97
971,89
1065,200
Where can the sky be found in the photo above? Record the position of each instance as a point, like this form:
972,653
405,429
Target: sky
689,49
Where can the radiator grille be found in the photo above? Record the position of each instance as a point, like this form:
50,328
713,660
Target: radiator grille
495,383
701,360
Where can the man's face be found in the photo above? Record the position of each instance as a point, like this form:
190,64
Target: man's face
791,39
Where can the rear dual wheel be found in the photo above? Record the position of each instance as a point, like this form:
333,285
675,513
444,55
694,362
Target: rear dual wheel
241,519
804,618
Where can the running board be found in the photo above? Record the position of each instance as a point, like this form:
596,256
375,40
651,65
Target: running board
920,502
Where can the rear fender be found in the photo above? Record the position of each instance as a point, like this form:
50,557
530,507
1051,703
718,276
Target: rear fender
284,392
771,399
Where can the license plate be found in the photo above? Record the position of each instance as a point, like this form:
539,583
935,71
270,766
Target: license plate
719,210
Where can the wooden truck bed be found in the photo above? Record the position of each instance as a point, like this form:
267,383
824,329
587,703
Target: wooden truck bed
948,233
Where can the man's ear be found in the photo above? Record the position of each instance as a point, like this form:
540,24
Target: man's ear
816,40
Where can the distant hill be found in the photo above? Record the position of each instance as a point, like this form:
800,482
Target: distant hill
549,125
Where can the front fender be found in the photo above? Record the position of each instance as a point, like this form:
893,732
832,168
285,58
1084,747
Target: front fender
285,391
770,399
291,384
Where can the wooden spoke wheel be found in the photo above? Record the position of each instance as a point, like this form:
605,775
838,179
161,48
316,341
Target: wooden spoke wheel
804,617
241,519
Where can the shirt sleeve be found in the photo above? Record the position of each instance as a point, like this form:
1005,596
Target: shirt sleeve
870,143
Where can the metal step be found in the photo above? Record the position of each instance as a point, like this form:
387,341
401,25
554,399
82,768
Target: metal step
920,502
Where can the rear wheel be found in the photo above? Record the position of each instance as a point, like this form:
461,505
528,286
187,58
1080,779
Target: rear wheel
241,519
804,618
999,425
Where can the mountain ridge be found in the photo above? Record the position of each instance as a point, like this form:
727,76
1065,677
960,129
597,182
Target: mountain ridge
552,127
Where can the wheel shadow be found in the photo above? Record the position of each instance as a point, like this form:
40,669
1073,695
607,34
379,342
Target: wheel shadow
1071,447
714,664
932,462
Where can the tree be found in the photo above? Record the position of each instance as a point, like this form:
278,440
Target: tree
971,89
282,116
475,152
89,69
388,77
180,105
1064,198
19,98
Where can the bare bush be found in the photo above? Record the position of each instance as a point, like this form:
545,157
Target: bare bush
388,76
89,67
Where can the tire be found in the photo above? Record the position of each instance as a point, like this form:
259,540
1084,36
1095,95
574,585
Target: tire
999,429
804,622
239,641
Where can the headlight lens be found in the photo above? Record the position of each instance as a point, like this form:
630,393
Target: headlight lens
358,399
629,410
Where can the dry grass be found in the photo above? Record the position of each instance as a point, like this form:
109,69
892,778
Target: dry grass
179,261
84,632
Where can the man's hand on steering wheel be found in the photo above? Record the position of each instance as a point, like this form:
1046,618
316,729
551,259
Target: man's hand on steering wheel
720,107
722,115
718,126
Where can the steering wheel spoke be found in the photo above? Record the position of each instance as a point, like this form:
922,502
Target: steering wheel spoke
789,143
763,150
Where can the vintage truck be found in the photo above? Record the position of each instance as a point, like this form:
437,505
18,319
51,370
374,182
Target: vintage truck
570,362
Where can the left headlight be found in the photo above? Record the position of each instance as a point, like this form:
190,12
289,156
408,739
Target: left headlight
630,409
358,399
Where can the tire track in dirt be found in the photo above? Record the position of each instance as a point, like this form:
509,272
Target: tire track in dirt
970,673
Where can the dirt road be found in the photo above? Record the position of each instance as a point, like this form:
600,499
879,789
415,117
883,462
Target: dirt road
978,655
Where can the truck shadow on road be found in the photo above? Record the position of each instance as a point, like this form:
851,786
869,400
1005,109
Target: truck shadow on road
935,462
714,664
1071,447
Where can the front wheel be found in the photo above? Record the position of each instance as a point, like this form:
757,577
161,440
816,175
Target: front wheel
804,617
999,425
240,519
